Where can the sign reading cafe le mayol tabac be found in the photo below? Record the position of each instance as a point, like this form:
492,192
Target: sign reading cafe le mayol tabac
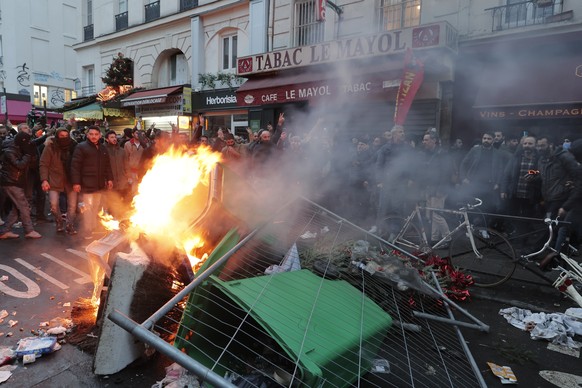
387,42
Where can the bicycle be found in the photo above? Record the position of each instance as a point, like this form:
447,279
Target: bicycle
570,278
479,251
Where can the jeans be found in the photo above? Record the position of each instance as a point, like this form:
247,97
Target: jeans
92,206
20,207
71,205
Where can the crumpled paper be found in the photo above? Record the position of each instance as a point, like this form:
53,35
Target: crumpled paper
559,328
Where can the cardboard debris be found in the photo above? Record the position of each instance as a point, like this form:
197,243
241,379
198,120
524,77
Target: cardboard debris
504,373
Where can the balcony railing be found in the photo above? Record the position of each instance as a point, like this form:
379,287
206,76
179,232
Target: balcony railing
87,90
526,13
152,11
121,21
88,33
185,5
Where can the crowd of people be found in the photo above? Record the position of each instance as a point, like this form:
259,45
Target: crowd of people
363,178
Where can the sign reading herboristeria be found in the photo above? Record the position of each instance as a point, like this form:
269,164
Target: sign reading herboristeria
387,42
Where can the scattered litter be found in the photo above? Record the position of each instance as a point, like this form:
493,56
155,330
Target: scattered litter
4,375
558,328
324,230
56,330
561,379
9,334
4,278
14,313
91,335
44,324
3,314
68,304
564,350
35,345
177,376
52,298
290,262
430,370
504,373
6,355
308,235
12,323
380,365
28,359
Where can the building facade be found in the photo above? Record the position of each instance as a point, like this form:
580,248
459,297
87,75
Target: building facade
37,59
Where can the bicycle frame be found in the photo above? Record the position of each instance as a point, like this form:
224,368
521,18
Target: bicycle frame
466,224
563,283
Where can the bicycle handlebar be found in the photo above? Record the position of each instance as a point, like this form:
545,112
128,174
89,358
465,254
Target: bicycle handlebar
470,206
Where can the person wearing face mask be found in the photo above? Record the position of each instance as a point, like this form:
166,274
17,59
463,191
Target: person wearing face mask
17,154
520,189
54,166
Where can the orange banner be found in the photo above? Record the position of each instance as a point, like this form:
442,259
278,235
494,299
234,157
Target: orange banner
412,77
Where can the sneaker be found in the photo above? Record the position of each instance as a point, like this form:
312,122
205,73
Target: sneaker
60,226
8,235
17,225
33,234
71,229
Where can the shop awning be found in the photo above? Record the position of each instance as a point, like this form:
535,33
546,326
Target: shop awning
153,96
17,111
88,112
534,82
313,85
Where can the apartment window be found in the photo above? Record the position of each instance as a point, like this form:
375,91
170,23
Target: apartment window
229,52
40,95
395,14
122,6
89,12
308,30
88,81
178,69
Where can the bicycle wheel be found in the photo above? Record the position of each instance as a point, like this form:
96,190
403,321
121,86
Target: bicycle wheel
498,261
392,231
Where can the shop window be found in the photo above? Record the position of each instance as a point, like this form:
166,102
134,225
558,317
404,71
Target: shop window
40,95
395,14
308,30
229,52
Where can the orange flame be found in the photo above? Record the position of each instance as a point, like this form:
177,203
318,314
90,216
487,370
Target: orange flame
162,207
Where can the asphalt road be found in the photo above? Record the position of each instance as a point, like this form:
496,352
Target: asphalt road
46,274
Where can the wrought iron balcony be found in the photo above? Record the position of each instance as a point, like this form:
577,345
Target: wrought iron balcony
87,90
527,13
88,33
152,11
121,21
185,5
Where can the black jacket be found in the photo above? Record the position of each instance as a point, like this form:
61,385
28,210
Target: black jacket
555,171
15,165
91,167
511,177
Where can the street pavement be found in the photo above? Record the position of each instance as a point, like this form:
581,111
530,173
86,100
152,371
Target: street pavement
46,274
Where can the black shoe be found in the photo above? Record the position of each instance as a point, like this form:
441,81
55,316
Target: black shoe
71,229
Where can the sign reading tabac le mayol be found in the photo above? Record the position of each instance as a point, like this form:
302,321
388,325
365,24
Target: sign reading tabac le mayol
387,42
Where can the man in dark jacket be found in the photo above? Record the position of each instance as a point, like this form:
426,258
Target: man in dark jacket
16,159
55,179
556,173
91,175
518,184
481,171
571,209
